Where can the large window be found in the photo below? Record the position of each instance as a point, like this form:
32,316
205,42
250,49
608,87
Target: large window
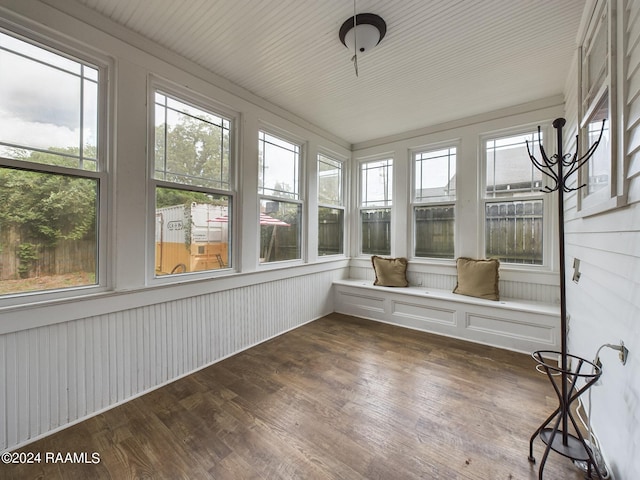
513,202
51,169
193,187
280,199
330,206
434,198
376,180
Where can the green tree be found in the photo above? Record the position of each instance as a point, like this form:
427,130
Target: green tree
192,152
39,210
47,207
169,197
28,254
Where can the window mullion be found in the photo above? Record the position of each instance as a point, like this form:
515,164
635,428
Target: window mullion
81,146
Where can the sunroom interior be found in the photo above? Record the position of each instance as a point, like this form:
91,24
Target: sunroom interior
184,182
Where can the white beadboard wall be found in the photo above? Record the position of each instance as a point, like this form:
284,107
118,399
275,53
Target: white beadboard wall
605,305
55,375
537,292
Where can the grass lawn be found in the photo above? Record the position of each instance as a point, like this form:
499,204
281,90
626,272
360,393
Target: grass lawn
47,282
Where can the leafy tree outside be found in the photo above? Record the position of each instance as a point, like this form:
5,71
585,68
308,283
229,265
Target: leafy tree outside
40,211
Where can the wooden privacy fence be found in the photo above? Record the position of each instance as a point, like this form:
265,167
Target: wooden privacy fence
330,231
330,238
514,231
434,235
513,234
67,256
279,243
376,231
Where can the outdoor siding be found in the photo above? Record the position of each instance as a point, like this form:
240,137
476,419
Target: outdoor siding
604,305
55,375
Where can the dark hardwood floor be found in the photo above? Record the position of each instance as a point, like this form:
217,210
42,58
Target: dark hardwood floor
339,398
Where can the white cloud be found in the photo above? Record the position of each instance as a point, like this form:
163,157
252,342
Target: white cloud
18,131
40,105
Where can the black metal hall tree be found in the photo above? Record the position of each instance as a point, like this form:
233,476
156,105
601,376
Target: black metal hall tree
554,431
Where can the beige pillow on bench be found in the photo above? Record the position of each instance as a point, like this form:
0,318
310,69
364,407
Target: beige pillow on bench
478,278
390,272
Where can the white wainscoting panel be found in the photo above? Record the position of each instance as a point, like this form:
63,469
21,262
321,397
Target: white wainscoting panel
535,292
55,375
513,324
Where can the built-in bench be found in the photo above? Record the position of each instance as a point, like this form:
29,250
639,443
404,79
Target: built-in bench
513,324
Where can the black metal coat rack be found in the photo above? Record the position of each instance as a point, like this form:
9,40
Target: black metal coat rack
565,378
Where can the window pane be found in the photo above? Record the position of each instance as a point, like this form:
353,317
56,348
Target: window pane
376,231
600,162
376,183
514,231
176,108
191,145
435,231
435,175
280,231
279,166
48,237
509,168
329,181
39,54
48,103
595,61
330,231
192,231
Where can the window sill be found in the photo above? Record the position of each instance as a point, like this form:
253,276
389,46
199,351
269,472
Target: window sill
602,207
48,312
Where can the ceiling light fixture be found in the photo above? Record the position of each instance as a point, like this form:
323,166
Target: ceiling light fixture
361,32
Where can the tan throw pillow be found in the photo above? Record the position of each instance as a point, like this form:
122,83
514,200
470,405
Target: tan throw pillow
390,272
478,278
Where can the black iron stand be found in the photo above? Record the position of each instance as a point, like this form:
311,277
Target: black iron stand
557,438
571,446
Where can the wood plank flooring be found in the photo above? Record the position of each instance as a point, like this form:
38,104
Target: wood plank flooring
339,398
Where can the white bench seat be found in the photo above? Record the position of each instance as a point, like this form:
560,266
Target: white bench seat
513,324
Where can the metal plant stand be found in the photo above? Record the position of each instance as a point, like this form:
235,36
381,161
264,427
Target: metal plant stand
564,378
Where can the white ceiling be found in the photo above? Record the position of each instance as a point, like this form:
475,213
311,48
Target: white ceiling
441,60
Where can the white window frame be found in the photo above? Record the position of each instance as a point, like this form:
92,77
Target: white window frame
549,200
339,206
388,202
104,66
438,201
299,194
156,84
